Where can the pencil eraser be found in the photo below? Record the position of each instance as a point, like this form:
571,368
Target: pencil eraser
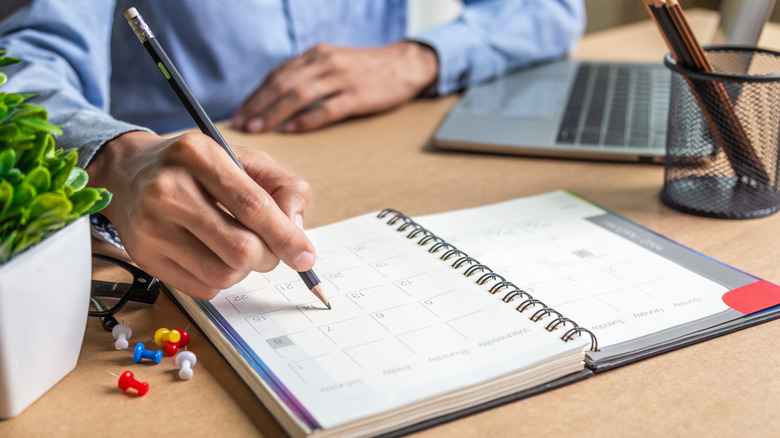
131,13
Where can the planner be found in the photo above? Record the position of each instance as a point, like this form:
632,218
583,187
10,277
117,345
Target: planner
437,316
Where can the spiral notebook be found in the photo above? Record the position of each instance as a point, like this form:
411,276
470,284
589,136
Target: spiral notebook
442,315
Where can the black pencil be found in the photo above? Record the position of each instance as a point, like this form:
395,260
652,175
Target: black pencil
200,117
722,116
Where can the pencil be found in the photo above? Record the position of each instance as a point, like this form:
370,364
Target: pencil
687,51
200,117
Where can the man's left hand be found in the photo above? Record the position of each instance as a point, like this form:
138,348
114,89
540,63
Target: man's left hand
328,84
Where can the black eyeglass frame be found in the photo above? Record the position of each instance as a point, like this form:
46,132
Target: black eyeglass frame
144,289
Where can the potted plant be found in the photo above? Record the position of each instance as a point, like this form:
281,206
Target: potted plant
45,253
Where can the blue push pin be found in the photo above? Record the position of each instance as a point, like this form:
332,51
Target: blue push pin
142,353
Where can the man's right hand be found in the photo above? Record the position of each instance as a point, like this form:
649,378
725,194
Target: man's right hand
189,216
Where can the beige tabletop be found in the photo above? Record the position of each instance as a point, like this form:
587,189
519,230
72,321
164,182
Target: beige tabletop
727,386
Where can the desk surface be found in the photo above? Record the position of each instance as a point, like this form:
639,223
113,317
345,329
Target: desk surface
725,386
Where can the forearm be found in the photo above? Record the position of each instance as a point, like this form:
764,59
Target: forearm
491,38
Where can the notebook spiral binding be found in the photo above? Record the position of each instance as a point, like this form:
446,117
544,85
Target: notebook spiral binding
499,284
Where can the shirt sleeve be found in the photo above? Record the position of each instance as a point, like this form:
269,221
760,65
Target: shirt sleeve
493,37
65,52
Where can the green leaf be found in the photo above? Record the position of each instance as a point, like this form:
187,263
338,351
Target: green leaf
7,161
63,172
34,156
27,111
13,99
6,195
10,134
14,176
105,199
50,204
40,178
6,246
27,96
3,78
78,178
83,199
8,61
25,241
40,125
47,225
23,194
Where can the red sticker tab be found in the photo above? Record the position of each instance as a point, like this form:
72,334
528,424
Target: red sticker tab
753,297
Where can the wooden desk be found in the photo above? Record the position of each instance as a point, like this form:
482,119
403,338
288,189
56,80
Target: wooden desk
723,387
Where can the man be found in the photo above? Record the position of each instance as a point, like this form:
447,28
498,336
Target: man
317,62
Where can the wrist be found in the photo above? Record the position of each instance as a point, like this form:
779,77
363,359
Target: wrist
110,163
423,67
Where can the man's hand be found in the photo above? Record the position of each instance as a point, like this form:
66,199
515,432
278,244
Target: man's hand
327,84
190,217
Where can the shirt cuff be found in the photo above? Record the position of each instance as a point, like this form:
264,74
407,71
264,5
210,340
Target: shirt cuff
452,51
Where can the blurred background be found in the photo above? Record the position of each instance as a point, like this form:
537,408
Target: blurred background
602,14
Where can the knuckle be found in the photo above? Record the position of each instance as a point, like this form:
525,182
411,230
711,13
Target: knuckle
203,293
299,187
299,94
253,205
268,263
331,110
321,49
242,252
160,191
222,276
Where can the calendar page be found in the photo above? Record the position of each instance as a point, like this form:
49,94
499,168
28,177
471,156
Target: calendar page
405,326
437,313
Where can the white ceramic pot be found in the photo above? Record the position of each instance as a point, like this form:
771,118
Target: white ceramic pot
44,301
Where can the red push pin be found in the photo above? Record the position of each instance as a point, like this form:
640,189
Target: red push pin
127,380
173,347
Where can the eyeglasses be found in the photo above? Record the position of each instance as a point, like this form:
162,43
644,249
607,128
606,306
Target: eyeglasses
114,283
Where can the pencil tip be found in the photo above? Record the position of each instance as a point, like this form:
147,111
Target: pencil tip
317,290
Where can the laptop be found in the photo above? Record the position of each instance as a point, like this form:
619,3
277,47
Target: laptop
581,109
576,109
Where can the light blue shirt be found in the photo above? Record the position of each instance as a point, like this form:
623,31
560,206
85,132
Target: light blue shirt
98,81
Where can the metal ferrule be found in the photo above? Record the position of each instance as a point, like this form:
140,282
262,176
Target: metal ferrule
140,28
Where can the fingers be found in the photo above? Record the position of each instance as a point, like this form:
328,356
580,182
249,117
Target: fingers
245,198
328,84
336,108
183,262
287,90
188,215
291,193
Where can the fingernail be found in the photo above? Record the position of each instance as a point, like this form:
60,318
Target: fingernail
238,121
255,125
298,221
304,261
290,127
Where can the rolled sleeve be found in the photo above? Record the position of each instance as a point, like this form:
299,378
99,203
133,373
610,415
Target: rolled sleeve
66,60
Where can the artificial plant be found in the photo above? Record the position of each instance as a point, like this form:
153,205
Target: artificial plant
41,188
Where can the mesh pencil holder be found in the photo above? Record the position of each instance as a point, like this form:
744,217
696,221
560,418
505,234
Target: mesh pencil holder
723,135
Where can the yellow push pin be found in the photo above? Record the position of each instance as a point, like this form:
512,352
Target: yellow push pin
163,336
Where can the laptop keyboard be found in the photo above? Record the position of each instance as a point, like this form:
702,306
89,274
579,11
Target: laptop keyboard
617,106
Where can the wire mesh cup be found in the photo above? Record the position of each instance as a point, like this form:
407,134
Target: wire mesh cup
723,134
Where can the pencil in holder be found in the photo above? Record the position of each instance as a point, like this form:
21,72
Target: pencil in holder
723,135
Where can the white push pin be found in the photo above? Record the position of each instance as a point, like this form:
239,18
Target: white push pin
185,360
122,333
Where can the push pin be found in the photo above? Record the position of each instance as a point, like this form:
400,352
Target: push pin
172,347
142,353
121,333
164,336
185,360
127,380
